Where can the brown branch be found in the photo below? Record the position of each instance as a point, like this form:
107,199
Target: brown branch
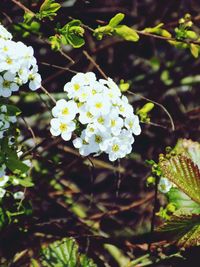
95,64
19,4
135,204
48,94
158,104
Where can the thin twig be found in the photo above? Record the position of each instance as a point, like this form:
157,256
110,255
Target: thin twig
58,67
48,94
19,4
158,104
95,64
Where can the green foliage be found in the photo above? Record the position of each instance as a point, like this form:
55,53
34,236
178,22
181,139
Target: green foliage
182,171
144,112
28,26
158,30
113,28
183,227
64,253
71,33
48,9
180,200
181,167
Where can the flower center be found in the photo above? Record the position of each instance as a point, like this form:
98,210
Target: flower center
65,111
115,148
98,105
113,123
101,120
6,84
98,139
63,127
76,86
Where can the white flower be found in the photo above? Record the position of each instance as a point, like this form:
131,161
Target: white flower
164,185
7,86
18,195
132,123
101,122
65,109
35,81
4,33
98,141
62,127
2,192
98,105
116,149
3,180
125,109
84,147
115,123
85,115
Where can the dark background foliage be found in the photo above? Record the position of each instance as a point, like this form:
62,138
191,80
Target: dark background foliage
72,197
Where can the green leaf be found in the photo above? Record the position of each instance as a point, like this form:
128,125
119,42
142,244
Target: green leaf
13,110
184,228
194,49
116,20
72,33
184,173
55,42
64,253
158,30
180,200
15,164
48,9
75,41
126,33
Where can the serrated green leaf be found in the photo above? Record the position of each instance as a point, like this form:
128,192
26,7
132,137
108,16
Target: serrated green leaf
184,173
64,253
116,20
184,228
126,33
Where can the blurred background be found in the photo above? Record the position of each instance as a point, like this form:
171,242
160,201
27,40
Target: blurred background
99,202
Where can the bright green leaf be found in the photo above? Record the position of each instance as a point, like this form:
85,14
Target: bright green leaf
116,20
126,33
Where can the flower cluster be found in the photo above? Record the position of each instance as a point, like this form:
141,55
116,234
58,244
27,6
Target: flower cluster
99,115
5,120
17,65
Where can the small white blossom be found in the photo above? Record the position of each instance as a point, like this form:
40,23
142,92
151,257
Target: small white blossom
18,195
3,180
164,185
65,109
63,128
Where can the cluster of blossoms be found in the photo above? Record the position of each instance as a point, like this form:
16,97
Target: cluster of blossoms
5,120
17,65
99,115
